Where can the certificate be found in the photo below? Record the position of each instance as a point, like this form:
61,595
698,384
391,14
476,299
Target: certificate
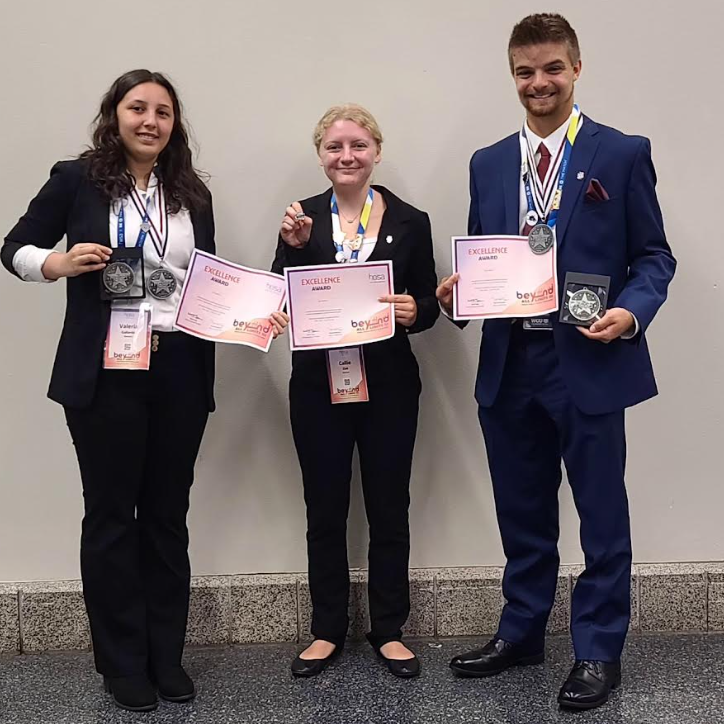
226,302
500,276
336,305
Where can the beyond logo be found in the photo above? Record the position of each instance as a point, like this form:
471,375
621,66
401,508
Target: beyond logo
348,391
252,327
541,295
375,323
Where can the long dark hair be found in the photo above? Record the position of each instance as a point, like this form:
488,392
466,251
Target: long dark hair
107,156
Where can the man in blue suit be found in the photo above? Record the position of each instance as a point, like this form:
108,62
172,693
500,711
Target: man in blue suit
549,391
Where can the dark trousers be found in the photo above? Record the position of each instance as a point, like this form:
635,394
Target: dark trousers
325,435
136,447
531,426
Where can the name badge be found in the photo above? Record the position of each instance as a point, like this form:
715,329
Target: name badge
128,342
347,378
538,324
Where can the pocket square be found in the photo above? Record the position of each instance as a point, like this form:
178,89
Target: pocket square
595,191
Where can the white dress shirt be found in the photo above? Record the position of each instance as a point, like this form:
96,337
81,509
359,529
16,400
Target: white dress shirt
28,260
553,143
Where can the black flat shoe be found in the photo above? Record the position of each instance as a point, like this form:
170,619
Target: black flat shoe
589,684
132,693
495,657
174,684
312,667
404,668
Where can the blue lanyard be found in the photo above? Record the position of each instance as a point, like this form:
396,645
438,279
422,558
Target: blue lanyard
363,221
143,232
573,128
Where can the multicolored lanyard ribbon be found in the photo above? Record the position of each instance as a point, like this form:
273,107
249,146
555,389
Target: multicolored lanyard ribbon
159,239
542,204
338,235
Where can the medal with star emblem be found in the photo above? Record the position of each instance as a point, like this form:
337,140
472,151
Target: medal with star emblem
118,277
161,284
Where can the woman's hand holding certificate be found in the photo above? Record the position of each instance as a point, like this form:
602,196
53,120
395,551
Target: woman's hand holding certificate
225,302
338,305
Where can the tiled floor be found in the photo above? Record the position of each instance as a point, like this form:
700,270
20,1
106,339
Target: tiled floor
668,679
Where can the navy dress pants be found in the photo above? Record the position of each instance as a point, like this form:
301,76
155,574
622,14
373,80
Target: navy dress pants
533,426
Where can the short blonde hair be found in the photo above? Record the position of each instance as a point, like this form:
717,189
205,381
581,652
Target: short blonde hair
347,112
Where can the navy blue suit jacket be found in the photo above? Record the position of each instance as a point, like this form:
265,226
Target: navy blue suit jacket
622,237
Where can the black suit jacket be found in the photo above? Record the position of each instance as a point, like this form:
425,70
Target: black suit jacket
71,205
410,250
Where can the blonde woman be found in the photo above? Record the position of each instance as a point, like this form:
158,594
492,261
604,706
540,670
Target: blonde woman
355,221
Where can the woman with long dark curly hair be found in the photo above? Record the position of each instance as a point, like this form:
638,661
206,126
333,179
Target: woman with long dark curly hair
136,394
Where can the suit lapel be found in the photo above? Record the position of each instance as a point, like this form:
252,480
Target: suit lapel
321,238
99,211
201,233
511,187
584,151
392,227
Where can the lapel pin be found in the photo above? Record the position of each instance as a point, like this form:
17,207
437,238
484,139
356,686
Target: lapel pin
389,239
580,175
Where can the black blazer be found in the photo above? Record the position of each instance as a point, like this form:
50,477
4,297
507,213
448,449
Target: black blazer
390,361
71,205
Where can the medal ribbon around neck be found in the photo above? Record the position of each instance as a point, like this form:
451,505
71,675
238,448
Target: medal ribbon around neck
145,222
159,236
548,211
338,234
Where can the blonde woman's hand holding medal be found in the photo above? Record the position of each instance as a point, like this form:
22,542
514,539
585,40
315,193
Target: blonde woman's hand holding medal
296,226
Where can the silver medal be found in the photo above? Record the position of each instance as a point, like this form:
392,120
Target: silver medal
339,257
118,277
584,305
161,284
541,239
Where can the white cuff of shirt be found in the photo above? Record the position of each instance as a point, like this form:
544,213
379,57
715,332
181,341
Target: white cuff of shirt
442,309
636,328
28,263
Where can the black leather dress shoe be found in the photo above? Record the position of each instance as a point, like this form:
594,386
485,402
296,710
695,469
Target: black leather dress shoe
404,668
312,667
133,693
174,684
496,656
589,684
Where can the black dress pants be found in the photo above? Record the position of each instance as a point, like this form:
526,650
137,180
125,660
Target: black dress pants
325,435
136,446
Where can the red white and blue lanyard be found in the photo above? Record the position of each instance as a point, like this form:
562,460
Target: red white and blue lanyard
539,200
338,235
160,240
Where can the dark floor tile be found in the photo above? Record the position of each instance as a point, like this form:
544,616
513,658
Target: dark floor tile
668,679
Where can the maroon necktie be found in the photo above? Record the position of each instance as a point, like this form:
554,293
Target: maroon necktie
543,163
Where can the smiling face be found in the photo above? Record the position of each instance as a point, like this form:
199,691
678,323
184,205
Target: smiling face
544,78
145,121
348,154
